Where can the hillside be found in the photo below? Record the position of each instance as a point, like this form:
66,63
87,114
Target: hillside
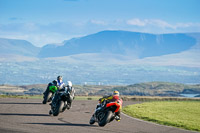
104,61
113,44
139,89
159,89
17,47
131,44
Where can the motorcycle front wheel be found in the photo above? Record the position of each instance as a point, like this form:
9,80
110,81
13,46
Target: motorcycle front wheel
58,108
92,120
105,118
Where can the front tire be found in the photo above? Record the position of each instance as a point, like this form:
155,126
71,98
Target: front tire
105,119
58,108
61,106
92,120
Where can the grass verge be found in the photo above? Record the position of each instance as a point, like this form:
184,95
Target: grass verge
182,114
22,96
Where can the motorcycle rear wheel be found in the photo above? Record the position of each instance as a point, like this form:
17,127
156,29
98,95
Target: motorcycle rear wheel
47,98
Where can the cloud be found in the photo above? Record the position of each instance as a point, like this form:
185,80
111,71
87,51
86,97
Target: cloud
136,22
37,39
160,24
19,27
30,26
146,22
186,25
42,34
98,22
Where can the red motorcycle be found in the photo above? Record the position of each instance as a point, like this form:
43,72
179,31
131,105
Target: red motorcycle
105,113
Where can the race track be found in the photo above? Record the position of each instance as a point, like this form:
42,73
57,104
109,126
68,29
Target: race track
30,116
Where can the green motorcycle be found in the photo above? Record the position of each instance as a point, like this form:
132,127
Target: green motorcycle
48,95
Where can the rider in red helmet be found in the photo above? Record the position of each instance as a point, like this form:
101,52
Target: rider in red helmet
113,98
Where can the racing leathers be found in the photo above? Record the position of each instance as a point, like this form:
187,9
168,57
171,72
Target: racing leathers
112,98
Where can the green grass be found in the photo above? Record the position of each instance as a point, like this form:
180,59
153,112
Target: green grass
182,114
22,97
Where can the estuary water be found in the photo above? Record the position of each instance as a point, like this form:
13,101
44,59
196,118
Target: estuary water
189,95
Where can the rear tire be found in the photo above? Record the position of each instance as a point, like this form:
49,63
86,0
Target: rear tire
105,119
47,97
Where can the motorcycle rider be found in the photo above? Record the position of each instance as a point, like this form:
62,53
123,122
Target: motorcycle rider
69,89
58,83
71,92
112,98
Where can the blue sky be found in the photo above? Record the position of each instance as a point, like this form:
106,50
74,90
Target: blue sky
53,21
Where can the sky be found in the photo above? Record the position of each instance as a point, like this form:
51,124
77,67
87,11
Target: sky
44,22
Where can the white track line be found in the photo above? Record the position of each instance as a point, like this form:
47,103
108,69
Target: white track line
140,120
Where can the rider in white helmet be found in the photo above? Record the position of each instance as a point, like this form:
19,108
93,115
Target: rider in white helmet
71,92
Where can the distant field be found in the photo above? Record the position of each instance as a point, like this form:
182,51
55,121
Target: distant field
11,89
125,98
182,114
150,89
41,96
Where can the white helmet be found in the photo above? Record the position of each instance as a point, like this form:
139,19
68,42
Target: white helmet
69,83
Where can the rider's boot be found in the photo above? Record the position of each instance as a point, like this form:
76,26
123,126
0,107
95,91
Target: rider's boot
50,112
117,118
68,105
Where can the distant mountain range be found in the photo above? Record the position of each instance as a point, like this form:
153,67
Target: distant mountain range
18,47
132,44
123,43
107,57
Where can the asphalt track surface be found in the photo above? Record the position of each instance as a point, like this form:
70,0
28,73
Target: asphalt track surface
30,116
